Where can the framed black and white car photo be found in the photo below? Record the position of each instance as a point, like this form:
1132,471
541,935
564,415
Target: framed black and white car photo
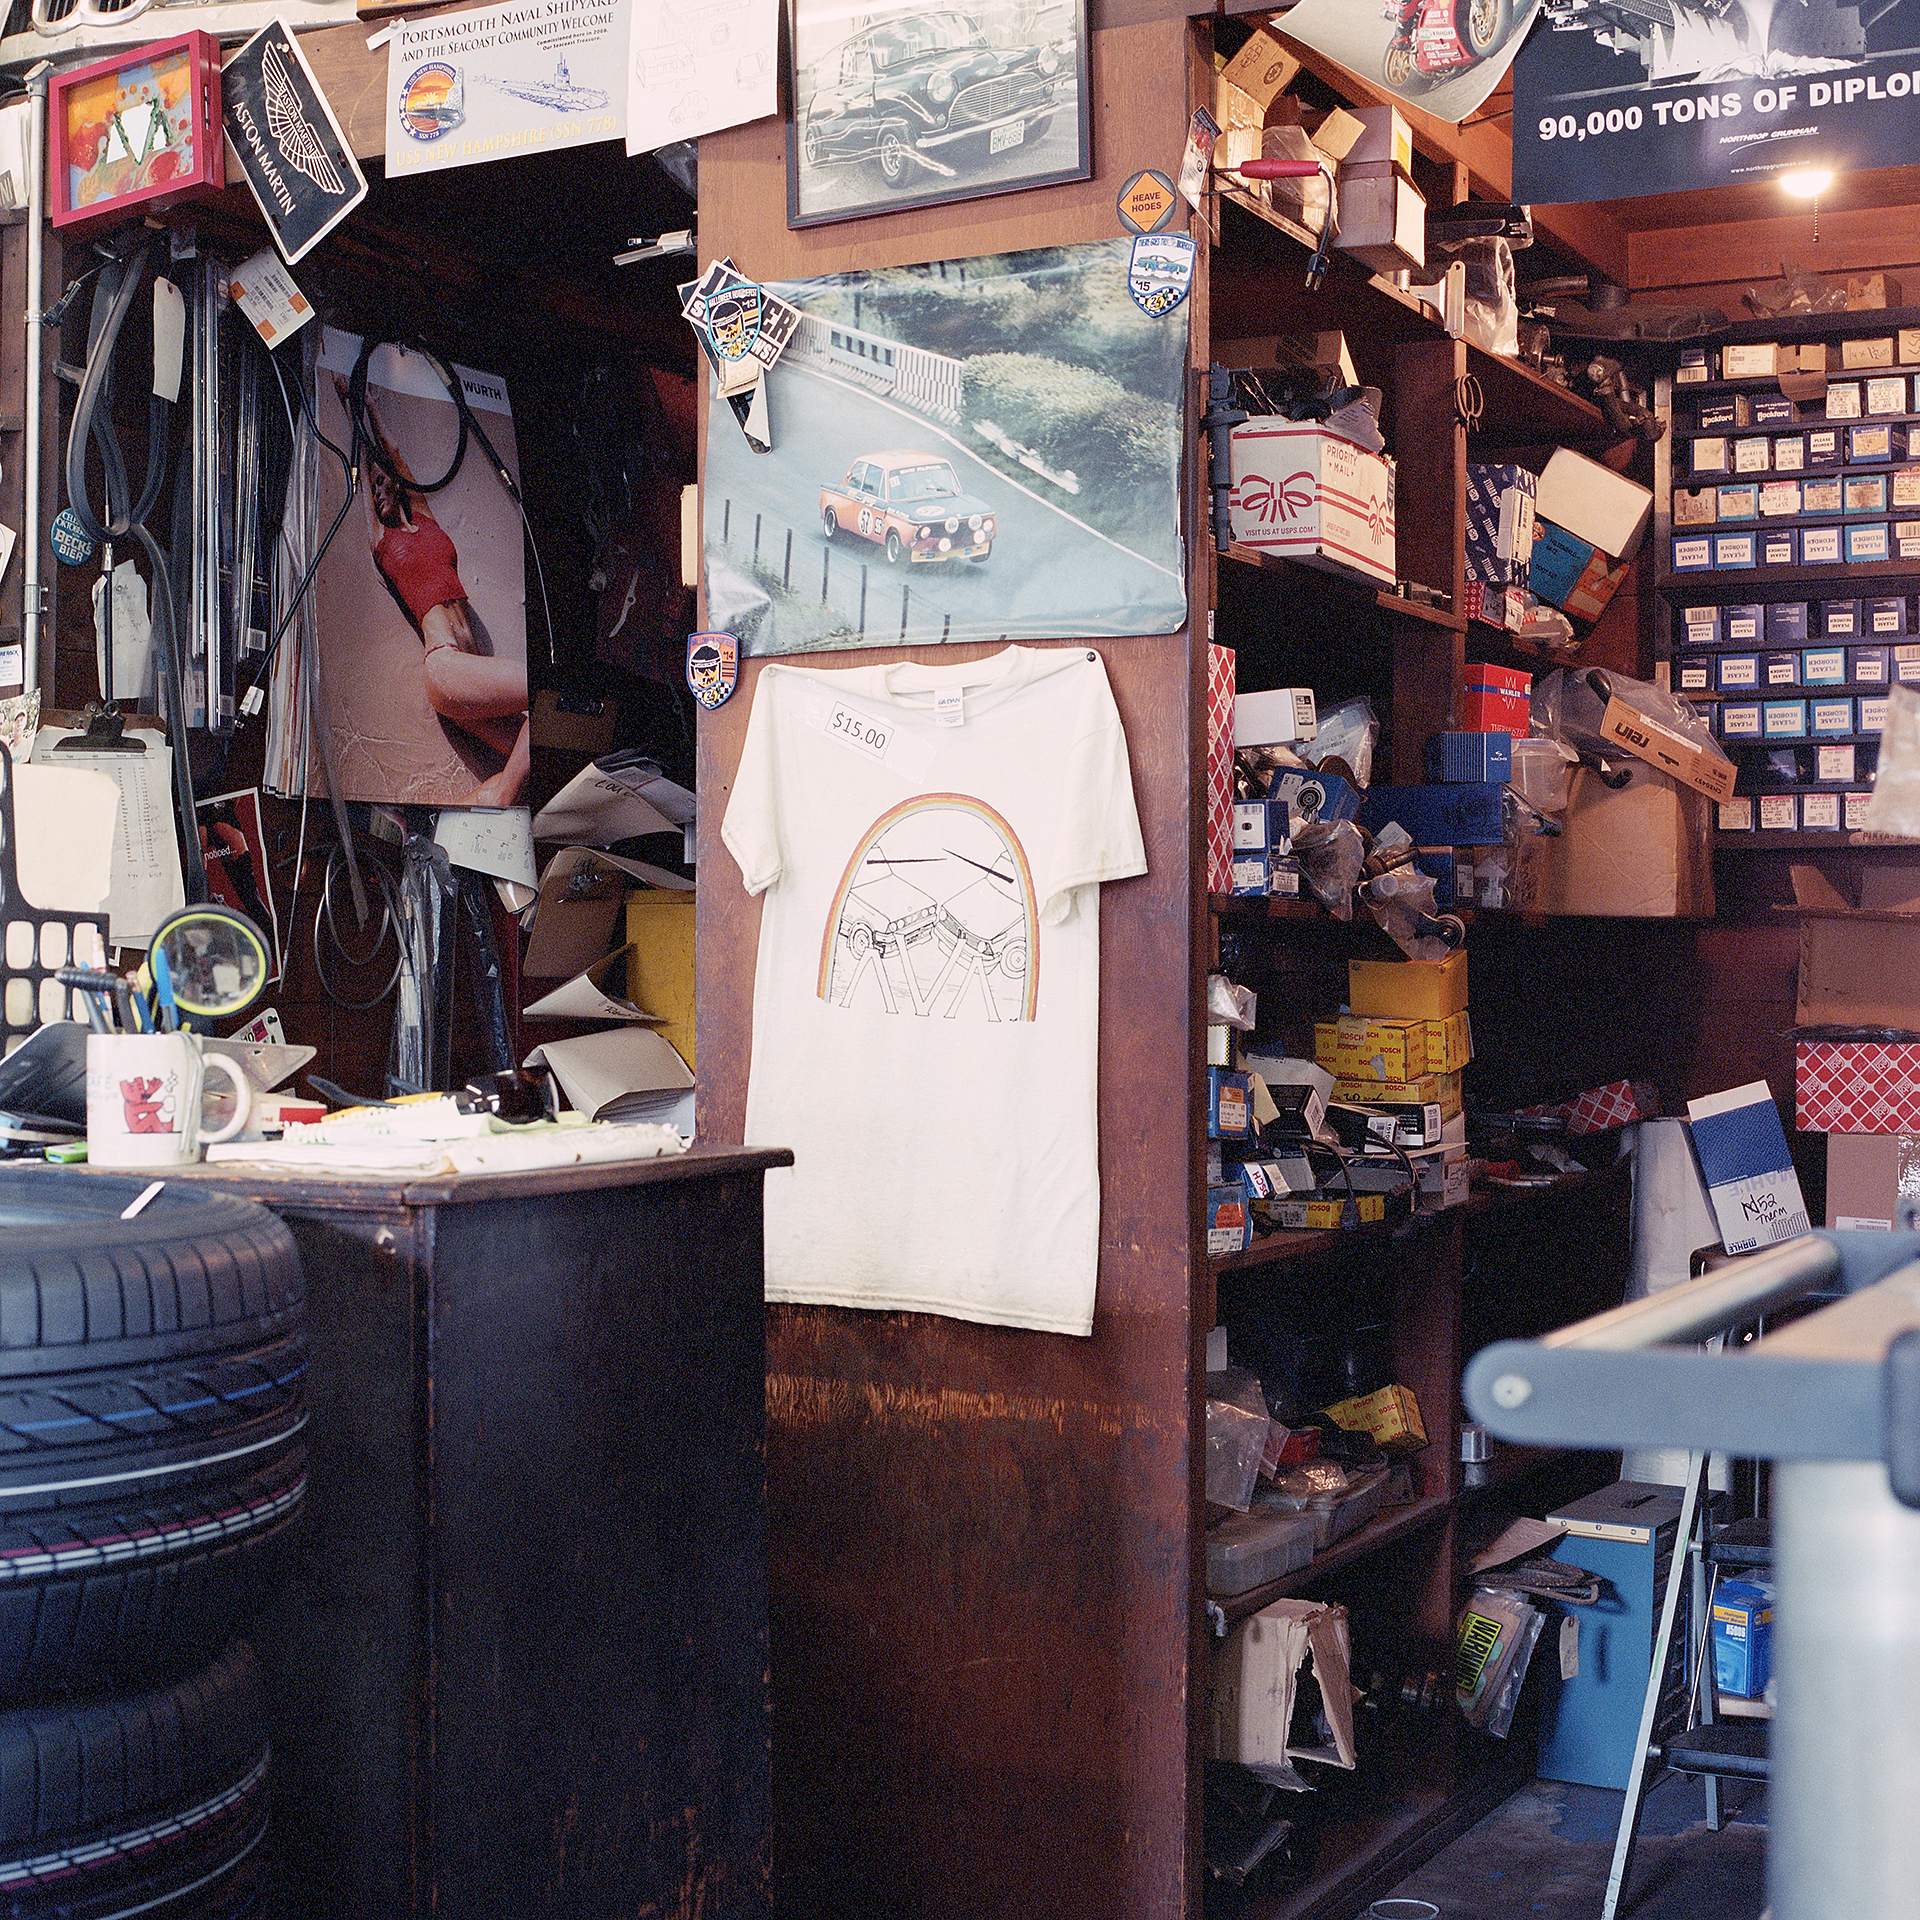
915,105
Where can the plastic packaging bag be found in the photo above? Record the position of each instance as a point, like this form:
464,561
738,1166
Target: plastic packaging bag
1492,301
1568,706
1497,1635
1347,732
1796,291
1310,199
1229,1005
1236,1448
1332,856
1895,806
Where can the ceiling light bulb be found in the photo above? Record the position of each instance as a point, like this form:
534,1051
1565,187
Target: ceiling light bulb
1807,183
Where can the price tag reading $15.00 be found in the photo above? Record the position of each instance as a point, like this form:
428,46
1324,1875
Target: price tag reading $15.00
860,731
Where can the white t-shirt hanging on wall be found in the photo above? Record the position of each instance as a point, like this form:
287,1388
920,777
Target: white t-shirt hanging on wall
931,843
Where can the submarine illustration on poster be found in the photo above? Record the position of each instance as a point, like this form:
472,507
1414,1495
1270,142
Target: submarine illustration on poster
558,95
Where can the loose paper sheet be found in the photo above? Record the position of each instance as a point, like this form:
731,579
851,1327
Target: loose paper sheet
606,802
585,996
695,66
146,881
64,817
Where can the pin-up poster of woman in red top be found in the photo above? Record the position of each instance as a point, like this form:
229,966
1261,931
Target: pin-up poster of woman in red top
423,618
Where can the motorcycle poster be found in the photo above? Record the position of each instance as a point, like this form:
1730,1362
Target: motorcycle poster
1609,102
1441,56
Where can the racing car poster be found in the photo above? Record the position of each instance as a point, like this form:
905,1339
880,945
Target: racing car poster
982,449
914,106
1443,56
1615,98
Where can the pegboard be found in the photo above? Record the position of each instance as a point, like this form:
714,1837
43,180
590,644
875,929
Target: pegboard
35,942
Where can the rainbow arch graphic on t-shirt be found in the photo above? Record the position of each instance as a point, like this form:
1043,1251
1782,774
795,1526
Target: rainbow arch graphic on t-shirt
936,901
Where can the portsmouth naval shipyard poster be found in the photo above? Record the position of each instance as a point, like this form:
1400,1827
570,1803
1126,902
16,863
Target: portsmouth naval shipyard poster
1614,98
502,81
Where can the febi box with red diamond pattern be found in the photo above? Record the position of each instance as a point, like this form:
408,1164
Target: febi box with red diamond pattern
1857,1086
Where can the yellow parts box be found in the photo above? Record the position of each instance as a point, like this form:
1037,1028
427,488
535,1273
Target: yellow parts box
1440,1090
1327,1211
1408,989
1449,1043
1391,1416
660,963
1355,1048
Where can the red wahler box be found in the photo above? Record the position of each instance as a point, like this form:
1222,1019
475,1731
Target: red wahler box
1857,1086
1495,699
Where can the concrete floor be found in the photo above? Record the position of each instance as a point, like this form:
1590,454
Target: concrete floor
1544,1855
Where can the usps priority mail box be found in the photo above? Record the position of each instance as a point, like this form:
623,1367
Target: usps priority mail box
1306,493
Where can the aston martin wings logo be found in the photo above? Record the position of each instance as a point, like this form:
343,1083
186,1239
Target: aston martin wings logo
287,121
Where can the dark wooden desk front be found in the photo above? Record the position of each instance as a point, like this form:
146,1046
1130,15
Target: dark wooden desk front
520,1667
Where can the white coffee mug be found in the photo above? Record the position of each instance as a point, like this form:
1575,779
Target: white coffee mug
143,1099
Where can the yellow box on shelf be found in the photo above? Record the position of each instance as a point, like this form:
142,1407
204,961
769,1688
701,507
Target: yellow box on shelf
660,967
1408,989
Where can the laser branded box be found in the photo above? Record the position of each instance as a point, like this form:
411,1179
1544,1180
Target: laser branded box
1789,452
1840,619
1779,547
1887,613
1701,626
1819,813
1741,623
1867,666
1780,669
1783,719
1867,540
1785,621
1823,667
1831,717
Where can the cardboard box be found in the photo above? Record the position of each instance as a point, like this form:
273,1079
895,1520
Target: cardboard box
1802,371
1432,1089
1408,989
1220,676
1706,769
1365,1047
1695,506
660,963
1383,218
1873,1180
1390,1415
1384,135
1261,71
1742,1638
1868,292
1306,493
1641,851
1856,1086
1752,361
1500,523
1276,717
1874,351
1229,1220
1325,1213
1594,502
1496,699
1859,969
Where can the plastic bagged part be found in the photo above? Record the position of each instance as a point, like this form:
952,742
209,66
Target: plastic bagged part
1311,197
1796,291
1895,806
1497,1635
1332,856
1543,772
1229,1005
1492,299
1236,1448
1347,732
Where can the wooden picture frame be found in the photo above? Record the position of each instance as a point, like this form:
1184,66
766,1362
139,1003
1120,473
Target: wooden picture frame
135,133
929,103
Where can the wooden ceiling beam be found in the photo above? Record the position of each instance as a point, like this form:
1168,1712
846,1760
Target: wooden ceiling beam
1852,240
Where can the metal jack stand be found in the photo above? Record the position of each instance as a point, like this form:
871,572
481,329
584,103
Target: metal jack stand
1834,1398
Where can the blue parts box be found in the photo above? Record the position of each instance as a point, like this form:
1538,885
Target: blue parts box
1865,493
1742,1637
1823,667
1872,712
1779,547
1906,666
1824,447
1694,676
1559,559
1786,621
1869,443
1772,411
1823,495
1739,502
1229,1104
1740,719
1886,615
1783,719
1692,553
1476,758
1717,416
1739,672
1789,452
1702,626
1840,619
1867,540
1780,669
1741,624
1830,717
1315,795
1820,546
1867,666
1437,816
1734,550
1261,826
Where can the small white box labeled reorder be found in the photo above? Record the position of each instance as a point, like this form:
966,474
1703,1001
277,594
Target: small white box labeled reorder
1274,717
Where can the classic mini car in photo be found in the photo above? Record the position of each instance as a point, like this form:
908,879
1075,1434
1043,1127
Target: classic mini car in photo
911,504
907,90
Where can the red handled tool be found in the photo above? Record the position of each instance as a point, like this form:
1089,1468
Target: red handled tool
1280,169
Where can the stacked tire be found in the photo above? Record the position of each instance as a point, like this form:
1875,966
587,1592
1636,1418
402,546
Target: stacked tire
152,1465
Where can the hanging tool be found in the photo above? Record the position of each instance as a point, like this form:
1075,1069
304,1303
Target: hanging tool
1282,169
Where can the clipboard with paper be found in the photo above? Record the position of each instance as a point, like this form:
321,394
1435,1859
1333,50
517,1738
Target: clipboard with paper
618,797
581,893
